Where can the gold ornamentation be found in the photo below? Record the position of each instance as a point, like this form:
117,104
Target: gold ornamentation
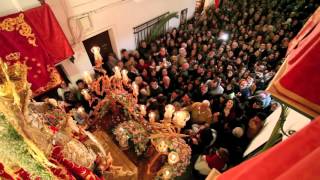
55,80
17,73
19,24
8,85
15,56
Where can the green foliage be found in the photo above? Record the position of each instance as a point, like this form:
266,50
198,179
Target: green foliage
14,151
156,30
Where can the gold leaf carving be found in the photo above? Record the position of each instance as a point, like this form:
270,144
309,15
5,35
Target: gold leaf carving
19,24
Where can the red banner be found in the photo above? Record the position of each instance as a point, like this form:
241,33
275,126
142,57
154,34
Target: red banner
50,33
40,45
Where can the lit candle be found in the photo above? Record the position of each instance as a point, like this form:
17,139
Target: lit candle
169,111
80,110
143,110
162,147
152,116
135,89
125,78
166,174
173,158
180,118
96,52
117,72
87,77
86,95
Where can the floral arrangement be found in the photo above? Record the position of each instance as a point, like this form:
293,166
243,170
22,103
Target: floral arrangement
134,132
54,116
19,154
121,110
179,146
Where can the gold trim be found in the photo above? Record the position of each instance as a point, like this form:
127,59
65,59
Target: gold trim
292,103
55,80
312,21
15,56
19,24
284,96
297,97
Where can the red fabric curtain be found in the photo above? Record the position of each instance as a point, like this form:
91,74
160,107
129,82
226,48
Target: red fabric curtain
297,83
296,158
34,37
19,43
51,35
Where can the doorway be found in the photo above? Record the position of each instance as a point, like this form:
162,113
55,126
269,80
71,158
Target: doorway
103,41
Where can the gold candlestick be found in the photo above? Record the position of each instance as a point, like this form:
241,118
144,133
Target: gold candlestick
87,77
117,72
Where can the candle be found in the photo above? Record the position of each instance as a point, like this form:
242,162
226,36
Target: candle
152,116
166,174
143,110
117,72
125,76
173,158
96,52
180,118
80,110
87,77
162,147
169,111
135,89
86,95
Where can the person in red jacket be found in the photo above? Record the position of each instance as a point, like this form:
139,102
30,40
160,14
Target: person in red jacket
217,160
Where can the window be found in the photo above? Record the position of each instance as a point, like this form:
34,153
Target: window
142,31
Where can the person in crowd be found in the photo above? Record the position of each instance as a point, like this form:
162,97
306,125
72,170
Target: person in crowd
124,55
215,87
80,98
225,56
217,160
200,112
155,89
62,89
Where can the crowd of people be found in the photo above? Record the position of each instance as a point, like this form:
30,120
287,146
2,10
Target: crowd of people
216,66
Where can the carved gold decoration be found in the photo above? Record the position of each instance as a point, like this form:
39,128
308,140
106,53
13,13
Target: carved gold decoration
7,87
12,79
19,24
15,56
55,80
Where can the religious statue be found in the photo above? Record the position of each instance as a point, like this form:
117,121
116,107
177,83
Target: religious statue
32,133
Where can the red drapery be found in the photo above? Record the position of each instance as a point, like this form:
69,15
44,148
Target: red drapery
296,158
72,168
51,35
216,3
34,37
297,83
